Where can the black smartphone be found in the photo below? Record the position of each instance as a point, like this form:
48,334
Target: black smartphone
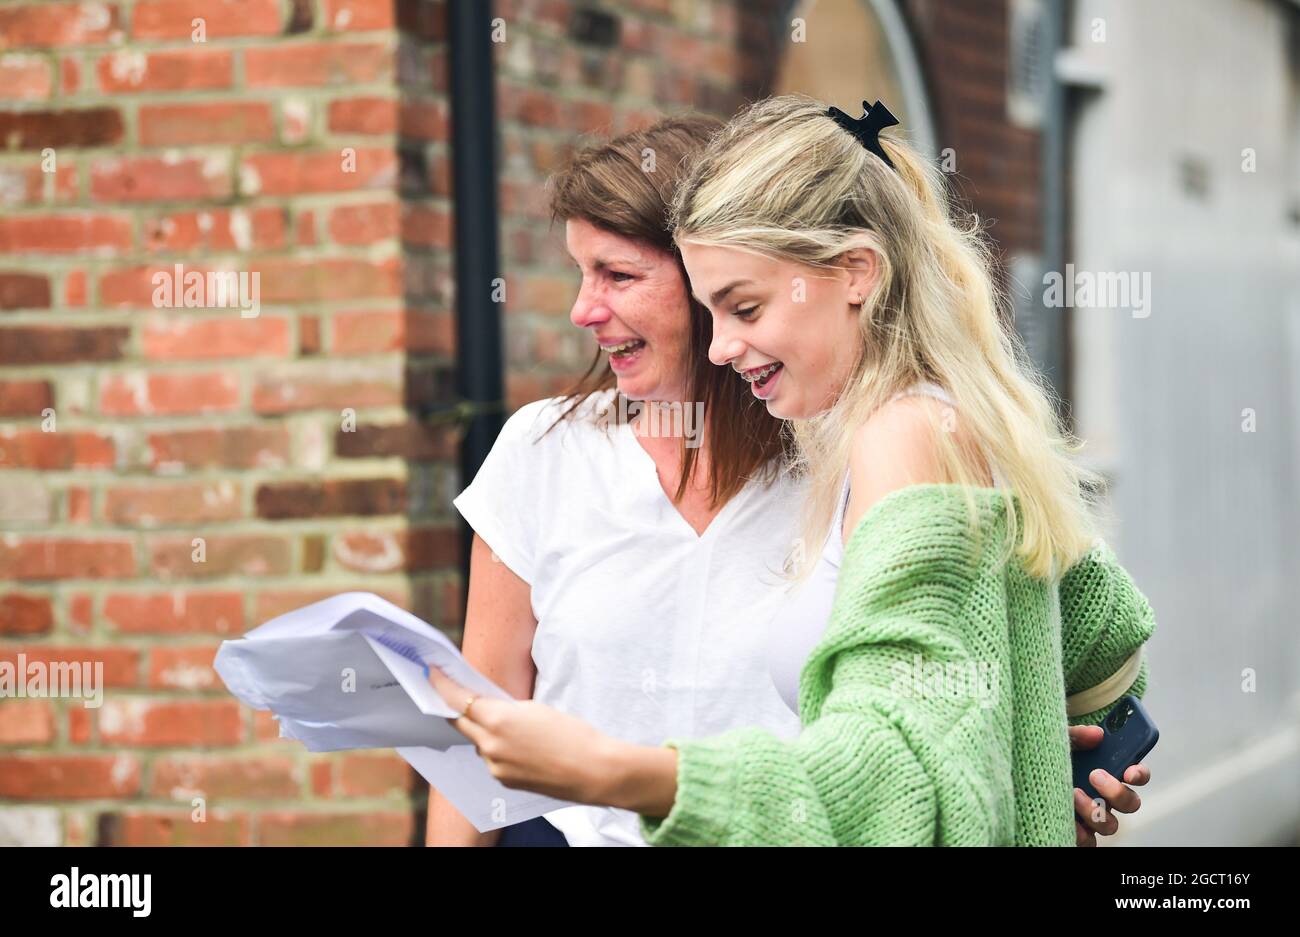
1129,736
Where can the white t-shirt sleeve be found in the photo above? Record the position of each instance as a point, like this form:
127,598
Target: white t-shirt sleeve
503,502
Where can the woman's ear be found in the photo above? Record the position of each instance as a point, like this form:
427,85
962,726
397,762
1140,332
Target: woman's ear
863,268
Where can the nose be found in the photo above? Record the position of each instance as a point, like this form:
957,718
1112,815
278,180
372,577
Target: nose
724,347
589,308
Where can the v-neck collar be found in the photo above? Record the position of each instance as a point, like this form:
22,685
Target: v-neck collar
652,474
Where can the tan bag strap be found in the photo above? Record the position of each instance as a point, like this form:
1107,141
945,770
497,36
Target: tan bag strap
1106,692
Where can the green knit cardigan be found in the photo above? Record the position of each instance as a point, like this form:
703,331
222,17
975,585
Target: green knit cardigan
933,708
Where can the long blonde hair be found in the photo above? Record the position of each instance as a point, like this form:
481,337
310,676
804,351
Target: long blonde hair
784,181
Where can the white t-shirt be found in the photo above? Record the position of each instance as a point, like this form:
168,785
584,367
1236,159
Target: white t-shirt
803,615
645,629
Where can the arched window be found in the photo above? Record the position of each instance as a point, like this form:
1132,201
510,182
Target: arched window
854,49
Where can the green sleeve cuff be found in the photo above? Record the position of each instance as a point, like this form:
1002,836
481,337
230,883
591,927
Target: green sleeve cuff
706,795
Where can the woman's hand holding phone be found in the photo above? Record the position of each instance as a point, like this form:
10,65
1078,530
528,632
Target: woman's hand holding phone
1120,797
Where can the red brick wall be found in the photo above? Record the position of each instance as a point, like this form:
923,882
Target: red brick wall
965,45
129,430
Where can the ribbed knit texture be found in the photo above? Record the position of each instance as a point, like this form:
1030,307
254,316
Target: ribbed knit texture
896,751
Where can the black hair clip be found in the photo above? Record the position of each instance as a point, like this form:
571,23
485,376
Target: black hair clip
867,127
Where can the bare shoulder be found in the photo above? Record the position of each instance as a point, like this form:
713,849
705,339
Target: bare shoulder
898,447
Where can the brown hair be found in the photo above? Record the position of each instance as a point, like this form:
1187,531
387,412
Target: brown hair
606,184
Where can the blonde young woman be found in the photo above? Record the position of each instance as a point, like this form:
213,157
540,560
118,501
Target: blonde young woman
952,520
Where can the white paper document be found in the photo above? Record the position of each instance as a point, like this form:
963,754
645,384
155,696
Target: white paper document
348,672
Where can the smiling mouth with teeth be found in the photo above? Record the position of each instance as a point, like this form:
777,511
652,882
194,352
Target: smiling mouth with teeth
760,377
626,348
